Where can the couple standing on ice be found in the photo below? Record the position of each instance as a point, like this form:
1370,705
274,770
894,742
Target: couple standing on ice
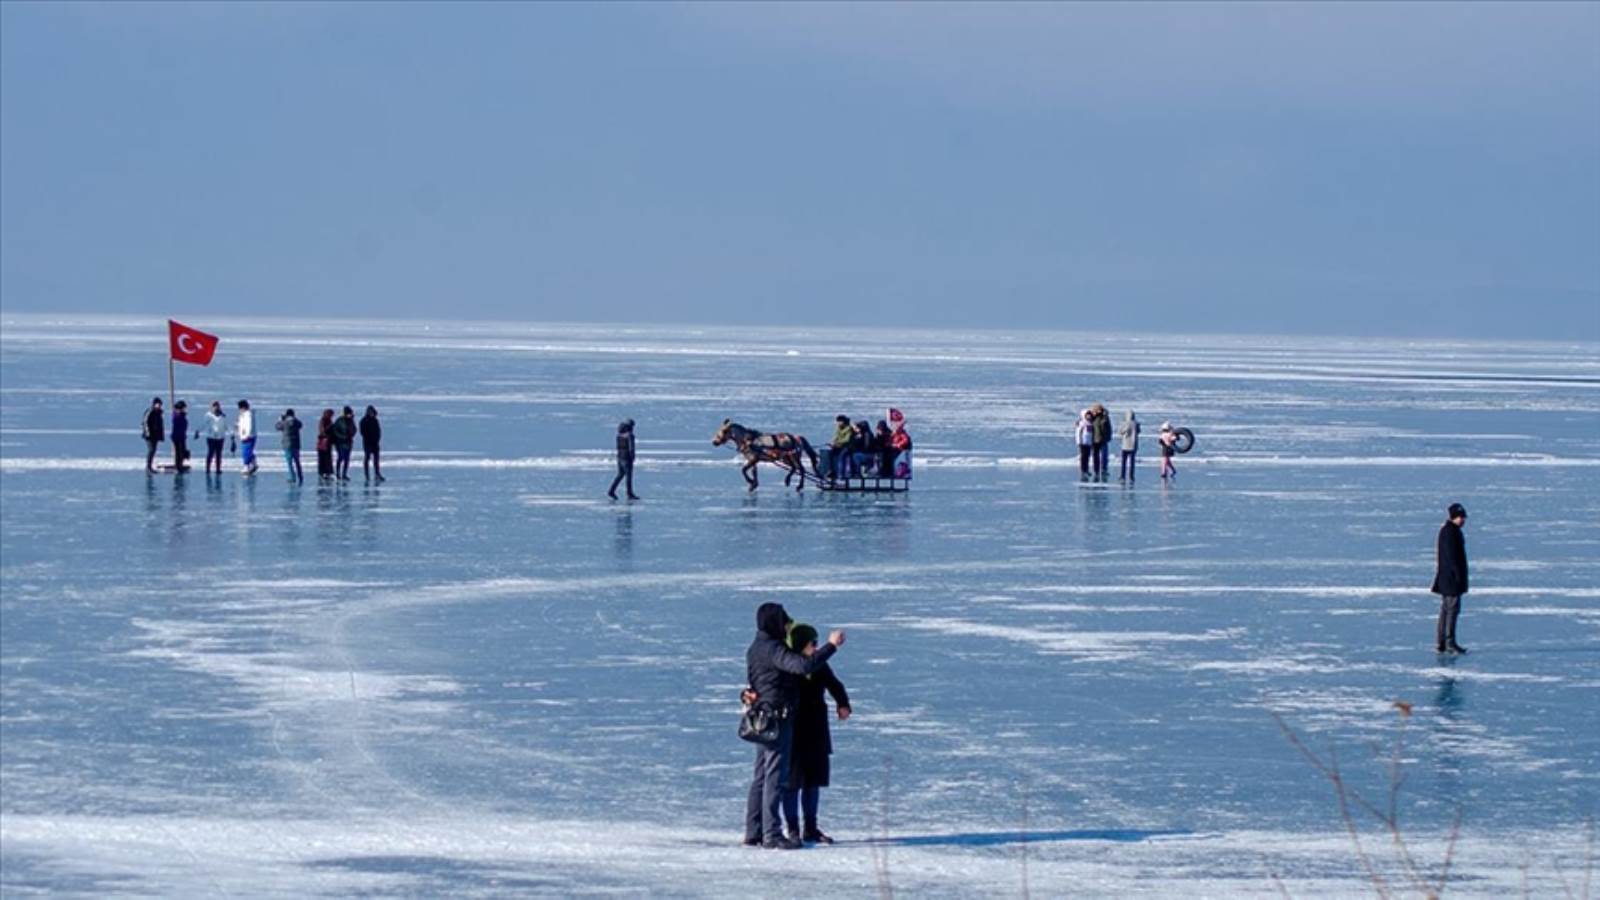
789,672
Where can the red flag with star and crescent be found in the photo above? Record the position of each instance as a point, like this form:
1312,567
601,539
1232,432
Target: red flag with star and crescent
190,345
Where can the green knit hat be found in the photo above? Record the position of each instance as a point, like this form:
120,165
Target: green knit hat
801,634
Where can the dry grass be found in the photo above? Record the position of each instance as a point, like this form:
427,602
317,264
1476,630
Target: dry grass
1409,875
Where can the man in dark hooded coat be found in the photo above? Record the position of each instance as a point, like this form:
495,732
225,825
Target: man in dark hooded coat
1450,578
774,673
626,448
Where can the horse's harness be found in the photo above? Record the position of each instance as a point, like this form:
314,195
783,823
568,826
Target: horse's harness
755,440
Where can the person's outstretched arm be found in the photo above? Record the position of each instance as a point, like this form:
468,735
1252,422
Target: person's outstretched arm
786,660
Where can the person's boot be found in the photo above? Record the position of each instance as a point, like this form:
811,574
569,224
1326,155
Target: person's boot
814,835
1442,649
783,842
1457,648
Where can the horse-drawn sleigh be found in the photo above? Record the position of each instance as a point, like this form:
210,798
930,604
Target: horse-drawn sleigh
792,453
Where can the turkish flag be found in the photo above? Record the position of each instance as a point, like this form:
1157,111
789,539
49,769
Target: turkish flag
189,345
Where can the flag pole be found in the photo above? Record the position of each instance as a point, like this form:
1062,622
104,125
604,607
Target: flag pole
172,385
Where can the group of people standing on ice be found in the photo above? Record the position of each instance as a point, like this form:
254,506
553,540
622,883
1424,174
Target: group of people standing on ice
335,440
1093,435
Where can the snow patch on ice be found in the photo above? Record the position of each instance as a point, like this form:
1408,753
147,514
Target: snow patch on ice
1085,645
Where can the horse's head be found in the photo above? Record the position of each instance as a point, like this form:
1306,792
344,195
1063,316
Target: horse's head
723,433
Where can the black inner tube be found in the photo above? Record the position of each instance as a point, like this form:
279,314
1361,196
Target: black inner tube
1183,440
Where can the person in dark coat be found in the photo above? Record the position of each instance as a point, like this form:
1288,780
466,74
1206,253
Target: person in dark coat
180,436
883,439
813,744
1450,578
626,447
325,446
290,427
775,673
343,435
371,437
863,448
1100,423
154,432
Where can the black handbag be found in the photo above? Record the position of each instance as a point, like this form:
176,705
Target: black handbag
760,723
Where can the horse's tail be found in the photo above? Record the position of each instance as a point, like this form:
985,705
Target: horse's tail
805,447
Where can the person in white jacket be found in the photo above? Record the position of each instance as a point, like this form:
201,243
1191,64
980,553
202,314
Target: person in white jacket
245,428
1084,437
216,435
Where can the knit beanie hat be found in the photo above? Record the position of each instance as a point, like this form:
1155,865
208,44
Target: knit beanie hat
801,635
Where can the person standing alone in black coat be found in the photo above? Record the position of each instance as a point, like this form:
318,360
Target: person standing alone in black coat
775,673
813,744
1450,580
371,437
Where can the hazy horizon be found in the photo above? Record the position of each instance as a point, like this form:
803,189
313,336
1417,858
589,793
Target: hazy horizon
158,334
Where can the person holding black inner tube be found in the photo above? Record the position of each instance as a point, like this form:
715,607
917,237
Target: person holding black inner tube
1168,441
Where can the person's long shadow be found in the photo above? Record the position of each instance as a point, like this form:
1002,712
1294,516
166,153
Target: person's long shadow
996,838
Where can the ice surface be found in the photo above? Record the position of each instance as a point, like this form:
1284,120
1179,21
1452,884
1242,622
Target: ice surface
485,678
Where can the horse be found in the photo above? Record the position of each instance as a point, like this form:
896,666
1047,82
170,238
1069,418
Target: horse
781,449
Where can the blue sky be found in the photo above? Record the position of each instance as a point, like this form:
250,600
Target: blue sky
1418,169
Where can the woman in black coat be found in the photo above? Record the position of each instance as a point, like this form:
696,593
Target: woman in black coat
808,766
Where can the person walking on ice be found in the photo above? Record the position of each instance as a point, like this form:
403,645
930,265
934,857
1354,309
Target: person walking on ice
1450,578
626,450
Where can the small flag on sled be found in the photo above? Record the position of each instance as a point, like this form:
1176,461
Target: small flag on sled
190,345
897,419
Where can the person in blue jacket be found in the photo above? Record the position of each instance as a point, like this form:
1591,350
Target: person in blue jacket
180,436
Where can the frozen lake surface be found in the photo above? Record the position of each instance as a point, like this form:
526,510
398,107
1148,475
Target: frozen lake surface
485,678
